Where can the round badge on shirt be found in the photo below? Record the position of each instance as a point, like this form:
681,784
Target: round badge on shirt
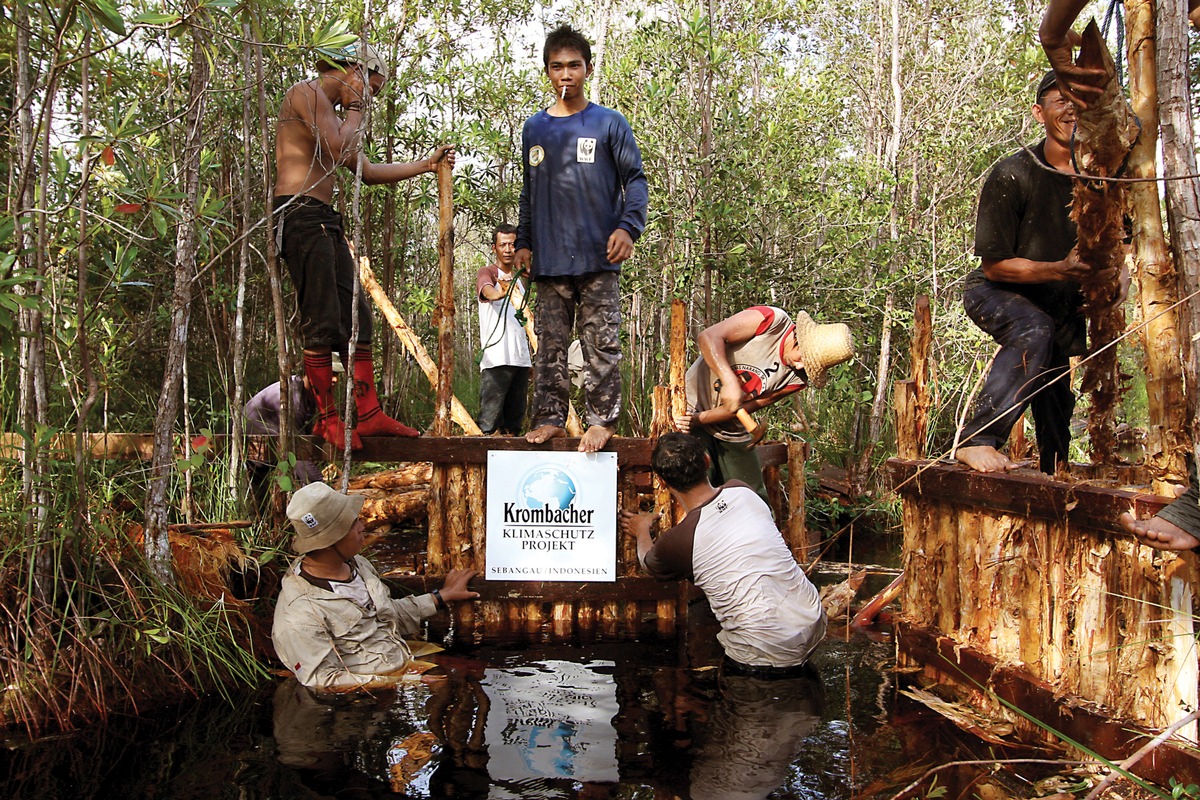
536,155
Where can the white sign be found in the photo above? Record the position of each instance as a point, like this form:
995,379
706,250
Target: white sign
551,516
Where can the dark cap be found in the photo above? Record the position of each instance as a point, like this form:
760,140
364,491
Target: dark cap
1049,81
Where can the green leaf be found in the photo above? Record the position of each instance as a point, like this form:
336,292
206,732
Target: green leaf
106,15
155,18
284,482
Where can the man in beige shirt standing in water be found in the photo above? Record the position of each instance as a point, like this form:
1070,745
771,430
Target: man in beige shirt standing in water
320,129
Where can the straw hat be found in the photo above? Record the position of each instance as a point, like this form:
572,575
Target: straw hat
822,347
322,516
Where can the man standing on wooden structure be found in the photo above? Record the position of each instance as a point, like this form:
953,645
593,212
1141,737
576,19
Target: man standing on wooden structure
771,616
336,625
1026,294
504,368
583,205
747,362
311,142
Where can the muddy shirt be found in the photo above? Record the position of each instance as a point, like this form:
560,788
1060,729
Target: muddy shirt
583,179
328,640
758,363
770,614
1025,212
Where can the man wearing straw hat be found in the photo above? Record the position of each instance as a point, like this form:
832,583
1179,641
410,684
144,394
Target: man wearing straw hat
749,361
336,625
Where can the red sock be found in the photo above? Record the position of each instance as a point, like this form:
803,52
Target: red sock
318,367
371,419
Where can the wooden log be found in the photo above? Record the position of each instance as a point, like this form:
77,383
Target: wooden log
796,529
1104,134
1154,271
562,618
392,508
437,548
775,494
922,341
476,489
908,430
403,477
458,540
443,318
414,347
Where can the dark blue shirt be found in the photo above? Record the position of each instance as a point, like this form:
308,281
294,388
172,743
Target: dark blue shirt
583,179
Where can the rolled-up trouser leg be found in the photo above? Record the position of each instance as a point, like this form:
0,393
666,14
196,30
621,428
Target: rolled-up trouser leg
1025,334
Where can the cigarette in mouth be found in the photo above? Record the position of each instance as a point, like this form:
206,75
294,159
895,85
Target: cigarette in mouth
563,93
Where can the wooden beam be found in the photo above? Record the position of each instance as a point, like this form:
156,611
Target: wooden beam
1027,494
946,660
628,589
444,318
385,449
412,344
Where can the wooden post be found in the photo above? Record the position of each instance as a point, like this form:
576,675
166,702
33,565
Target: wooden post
911,397
678,358
413,345
1104,134
1166,429
444,318
796,529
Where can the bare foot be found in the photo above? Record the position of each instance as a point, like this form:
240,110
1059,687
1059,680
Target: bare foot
983,458
595,438
1156,532
544,433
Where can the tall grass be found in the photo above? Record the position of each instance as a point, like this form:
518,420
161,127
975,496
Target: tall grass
86,629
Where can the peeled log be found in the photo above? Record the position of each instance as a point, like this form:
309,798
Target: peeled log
407,476
382,507
1104,134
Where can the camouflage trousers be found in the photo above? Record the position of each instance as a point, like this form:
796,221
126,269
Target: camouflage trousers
594,301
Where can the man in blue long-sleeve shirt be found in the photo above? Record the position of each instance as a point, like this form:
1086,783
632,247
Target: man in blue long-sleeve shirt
583,205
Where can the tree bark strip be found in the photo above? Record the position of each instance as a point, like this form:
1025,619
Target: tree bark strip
445,307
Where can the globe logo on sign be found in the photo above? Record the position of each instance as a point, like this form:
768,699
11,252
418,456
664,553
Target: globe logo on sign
547,487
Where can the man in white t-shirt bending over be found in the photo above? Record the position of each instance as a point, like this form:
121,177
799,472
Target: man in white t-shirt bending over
770,614
504,370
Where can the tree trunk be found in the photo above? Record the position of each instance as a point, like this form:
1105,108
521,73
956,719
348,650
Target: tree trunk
81,301
158,548
1183,193
281,337
237,423
1166,434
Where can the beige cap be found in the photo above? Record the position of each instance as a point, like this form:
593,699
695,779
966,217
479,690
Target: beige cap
362,53
322,516
822,347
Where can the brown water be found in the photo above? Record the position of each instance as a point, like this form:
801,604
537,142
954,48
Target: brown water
607,721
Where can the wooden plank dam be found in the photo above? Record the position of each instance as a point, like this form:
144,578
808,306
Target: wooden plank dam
1023,596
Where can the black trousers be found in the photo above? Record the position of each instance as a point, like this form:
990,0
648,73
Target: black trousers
313,244
502,401
1031,370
